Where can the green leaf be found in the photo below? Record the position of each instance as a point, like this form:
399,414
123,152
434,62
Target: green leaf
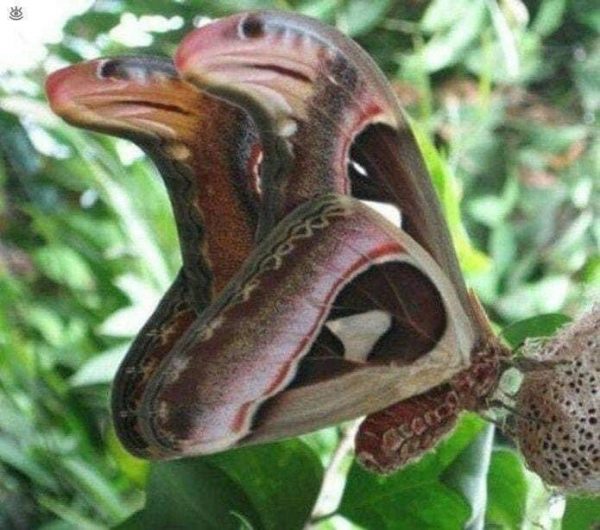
538,326
496,60
12,455
581,513
503,247
507,490
361,16
549,16
492,210
586,12
111,179
87,478
445,49
590,272
282,480
70,515
100,369
269,487
47,323
441,14
415,497
547,295
65,266
321,9
468,475
191,493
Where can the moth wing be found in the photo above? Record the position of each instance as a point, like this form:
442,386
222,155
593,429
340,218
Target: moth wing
261,363
328,119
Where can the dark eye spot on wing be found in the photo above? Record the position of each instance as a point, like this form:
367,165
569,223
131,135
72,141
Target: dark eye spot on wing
251,27
109,69
136,68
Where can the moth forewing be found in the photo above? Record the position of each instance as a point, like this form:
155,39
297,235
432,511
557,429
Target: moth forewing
371,387
319,102
203,148
227,377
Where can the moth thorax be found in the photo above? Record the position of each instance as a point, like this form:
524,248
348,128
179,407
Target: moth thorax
477,383
558,408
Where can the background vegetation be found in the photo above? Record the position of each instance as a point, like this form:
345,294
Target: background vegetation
508,93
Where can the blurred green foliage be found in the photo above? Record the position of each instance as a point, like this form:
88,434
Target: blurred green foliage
505,98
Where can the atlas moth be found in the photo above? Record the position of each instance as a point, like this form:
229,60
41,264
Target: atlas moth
335,312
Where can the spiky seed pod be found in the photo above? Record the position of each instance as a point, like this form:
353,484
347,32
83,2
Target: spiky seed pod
558,405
